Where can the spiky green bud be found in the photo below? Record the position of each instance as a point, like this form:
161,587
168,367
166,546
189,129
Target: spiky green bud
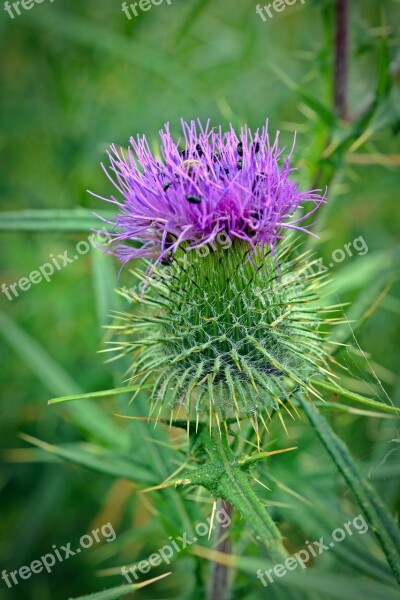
228,333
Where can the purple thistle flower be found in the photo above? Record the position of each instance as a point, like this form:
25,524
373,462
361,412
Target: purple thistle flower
219,182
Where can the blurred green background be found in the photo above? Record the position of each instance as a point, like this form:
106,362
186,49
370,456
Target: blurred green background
76,77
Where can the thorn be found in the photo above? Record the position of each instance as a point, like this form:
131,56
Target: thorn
283,423
161,486
214,508
235,401
219,424
283,404
264,423
293,406
238,420
255,426
226,429
178,470
152,408
158,416
263,484
132,418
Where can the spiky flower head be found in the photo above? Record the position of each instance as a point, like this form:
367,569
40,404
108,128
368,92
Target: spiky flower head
227,321
218,182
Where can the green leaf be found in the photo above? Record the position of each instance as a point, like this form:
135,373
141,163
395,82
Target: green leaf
97,459
87,415
100,394
351,410
326,114
104,281
120,591
325,585
51,220
337,389
380,520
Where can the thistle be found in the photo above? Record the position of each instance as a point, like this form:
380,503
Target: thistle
228,322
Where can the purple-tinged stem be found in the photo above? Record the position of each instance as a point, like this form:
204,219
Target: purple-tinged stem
220,573
341,58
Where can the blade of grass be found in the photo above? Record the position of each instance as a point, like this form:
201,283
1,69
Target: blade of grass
69,220
100,394
120,591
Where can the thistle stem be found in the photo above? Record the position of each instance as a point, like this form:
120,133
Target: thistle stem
234,487
220,573
341,58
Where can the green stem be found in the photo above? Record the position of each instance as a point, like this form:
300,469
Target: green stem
341,58
234,487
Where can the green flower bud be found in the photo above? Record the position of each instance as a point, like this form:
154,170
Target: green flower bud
223,332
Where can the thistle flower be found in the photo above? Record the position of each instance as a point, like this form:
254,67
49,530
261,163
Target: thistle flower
219,182
228,321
